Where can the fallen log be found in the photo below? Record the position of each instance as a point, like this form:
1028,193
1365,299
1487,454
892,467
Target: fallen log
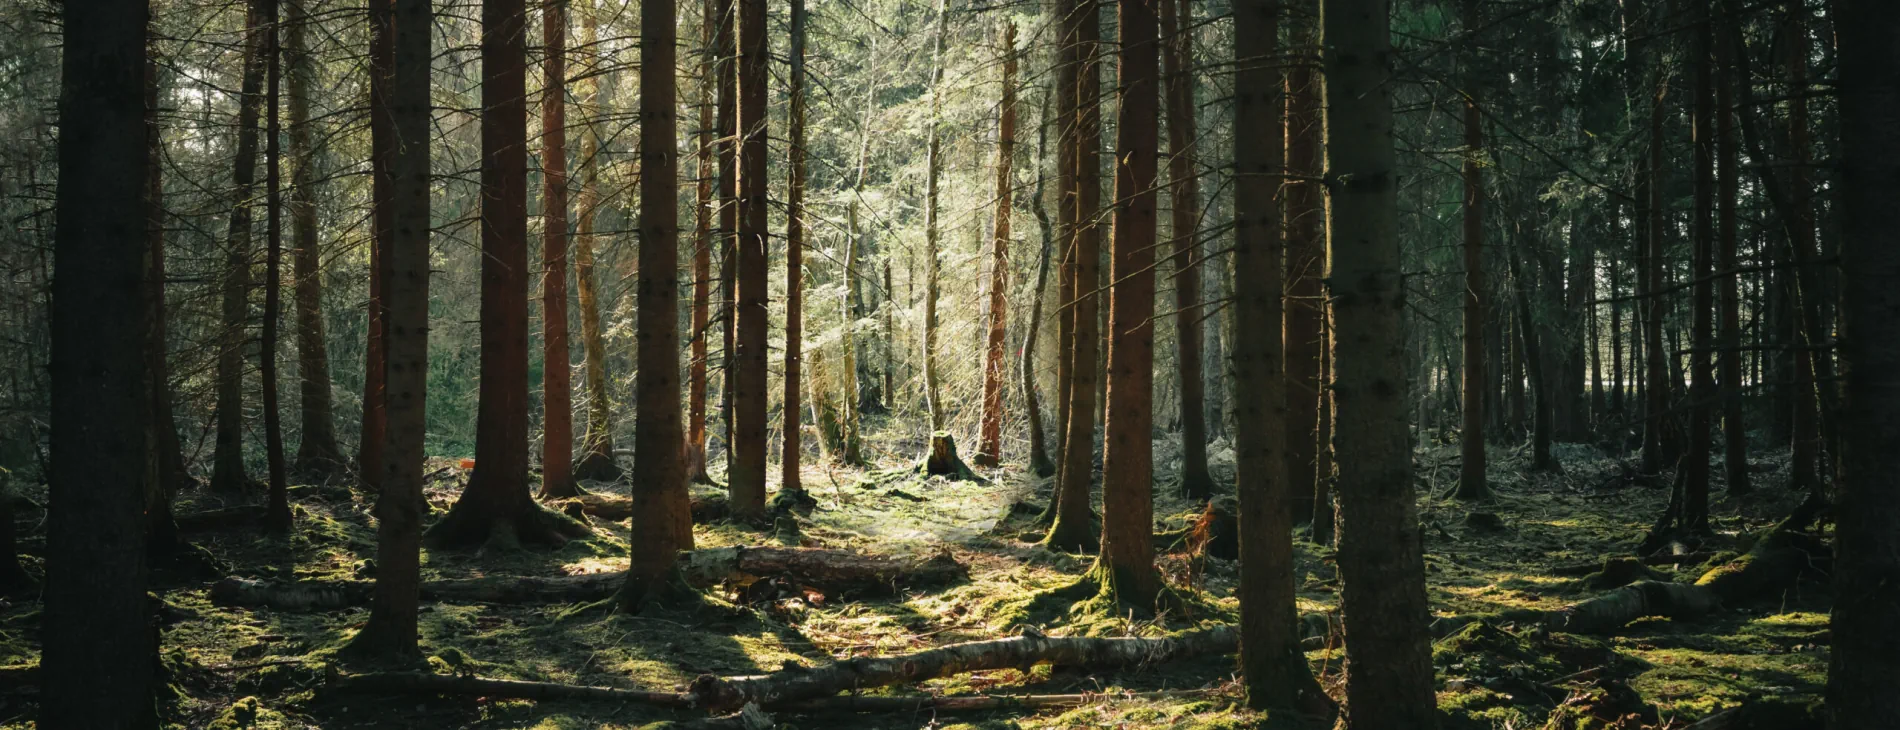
614,509
223,518
828,570
791,685
1582,569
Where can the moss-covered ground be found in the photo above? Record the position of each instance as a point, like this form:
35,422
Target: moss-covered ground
251,668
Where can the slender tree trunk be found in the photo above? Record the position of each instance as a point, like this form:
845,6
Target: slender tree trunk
794,252
318,455
597,445
1270,659
989,450
1618,382
662,518
1326,471
98,647
933,396
1657,445
277,513
851,443
1073,528
1865,663
375,426
1472,483
1734,431
167,474
727,116
496,502
1039,463
227,461
1389,683
391,631
1694,516
1068,68
1184,198
1805,442
747,477
557,394
703,214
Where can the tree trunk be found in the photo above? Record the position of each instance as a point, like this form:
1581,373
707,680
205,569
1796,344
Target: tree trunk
1184,196
1537,368
318,455
391,631
850,440
277,519
597,445
1390,683
1865,664
1073,528
1694,516
227,461
989,447
793,412
1270,659
168,473
1325,466
1805,445
662,517
1039,463
1472,483
728,213
374,431
1734,431
98,647
933,396
557,394
1658,451
703,214
747,476
1068,68
496,502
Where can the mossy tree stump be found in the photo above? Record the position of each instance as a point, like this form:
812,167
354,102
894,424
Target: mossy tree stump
944,461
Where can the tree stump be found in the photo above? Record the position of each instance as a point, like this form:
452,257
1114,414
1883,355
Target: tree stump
943,459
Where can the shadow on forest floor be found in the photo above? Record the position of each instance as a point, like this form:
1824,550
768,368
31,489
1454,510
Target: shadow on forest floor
235,667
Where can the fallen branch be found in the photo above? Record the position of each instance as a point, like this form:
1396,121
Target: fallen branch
1580,569
829,570
725,694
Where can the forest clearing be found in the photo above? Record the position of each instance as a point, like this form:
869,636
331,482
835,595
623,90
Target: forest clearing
1302,364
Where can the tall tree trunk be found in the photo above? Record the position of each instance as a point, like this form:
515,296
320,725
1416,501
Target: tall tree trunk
1734,431
703,214
277,513
1126,567
1472,484
747,477
557,394
933,396
662,519
989,449
496,502
1805,443
597,445
851,442
1380,563
1694,516
728,213
1065,14
318,455
794,251
1073,528
374,431
1039,463
1270,658
1618,383
1658,446
227,460
391,630
98,647
1184,198
1865,665
1325,466
168,473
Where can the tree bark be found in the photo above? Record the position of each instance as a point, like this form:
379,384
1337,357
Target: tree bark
557,395
597,444
1703,394
1067,71
496,502
1734,431
375,426
318,455
277,518
747,476
1073,528
98,648
703,214
391,631
1184,199
989,447
1270,659
793,411
1039,463
167,475
1658,449
1865,663
227,460
933,396
1472,482
1380,562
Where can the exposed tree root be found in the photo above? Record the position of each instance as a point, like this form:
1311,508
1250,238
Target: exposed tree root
526,524
829,570
723,694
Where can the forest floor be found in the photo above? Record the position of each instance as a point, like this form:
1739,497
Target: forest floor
238,667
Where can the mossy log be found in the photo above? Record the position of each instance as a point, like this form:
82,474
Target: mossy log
796,684
828,570
223,518
706,508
